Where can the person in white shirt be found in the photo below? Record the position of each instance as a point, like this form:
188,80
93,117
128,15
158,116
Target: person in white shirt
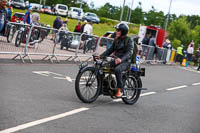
190,51
88,28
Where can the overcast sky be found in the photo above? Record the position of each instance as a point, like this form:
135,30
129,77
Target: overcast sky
187,7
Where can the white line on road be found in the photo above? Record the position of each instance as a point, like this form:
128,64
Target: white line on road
144,94
196,84
37,122
148,93
175,88
65,78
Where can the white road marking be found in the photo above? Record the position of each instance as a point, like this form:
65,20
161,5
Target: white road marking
43,73
189,69
143,94
196,84
46,73
65,78
148,93
175,88
41,121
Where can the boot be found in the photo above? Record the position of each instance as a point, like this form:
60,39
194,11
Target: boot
119,93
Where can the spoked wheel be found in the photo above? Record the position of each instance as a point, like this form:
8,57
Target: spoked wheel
10,34
132,94
87,85
18,38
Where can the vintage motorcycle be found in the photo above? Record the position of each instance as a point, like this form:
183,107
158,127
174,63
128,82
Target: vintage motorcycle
99,79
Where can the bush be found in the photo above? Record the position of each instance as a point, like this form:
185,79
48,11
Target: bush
108,21
176,43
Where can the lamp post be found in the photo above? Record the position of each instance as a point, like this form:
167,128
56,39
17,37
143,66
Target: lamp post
168,15
130,11
122,12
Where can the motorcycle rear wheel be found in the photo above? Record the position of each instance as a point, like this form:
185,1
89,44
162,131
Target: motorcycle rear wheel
132,94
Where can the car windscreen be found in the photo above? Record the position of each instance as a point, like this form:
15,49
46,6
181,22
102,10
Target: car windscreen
91,15
21,1
47,7
62,7
76,10
19,15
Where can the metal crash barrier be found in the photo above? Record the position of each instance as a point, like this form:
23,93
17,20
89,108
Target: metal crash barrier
44,43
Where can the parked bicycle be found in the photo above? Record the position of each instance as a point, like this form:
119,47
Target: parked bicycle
9,32
37,35
99,79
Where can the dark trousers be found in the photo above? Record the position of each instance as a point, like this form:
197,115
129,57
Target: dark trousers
179,58
198,69
118,73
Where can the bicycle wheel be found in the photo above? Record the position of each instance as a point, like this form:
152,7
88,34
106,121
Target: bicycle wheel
18,38
87,85
11,32
132,94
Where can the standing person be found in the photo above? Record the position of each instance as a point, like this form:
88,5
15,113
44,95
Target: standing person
78,27
179,56
123,52
83,25
198,58
27,17
3,15
152,42
35,17
146,39
190,51
9,12
57,24
88,28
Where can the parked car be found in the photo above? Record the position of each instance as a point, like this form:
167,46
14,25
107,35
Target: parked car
61,10
18,4
75,12
17,17
35,6
46,9
91,17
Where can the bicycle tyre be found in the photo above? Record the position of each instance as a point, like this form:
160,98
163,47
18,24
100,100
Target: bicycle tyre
78,83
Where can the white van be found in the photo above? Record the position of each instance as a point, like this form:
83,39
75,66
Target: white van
61,10
75,12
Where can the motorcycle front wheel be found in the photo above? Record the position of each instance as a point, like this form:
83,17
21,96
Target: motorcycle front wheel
87,85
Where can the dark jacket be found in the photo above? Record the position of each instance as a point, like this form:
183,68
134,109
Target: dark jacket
57,23
5,12
122,51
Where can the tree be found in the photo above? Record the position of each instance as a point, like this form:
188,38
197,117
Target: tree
179,29
155,18
137,15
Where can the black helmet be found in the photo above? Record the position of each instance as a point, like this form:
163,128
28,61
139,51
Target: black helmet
123,28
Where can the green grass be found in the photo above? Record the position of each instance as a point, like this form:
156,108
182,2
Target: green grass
98,29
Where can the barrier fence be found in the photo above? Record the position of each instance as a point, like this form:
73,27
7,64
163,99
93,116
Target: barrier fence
35,42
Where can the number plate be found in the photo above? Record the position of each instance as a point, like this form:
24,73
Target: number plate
84,64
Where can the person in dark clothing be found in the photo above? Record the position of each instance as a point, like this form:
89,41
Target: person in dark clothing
3,16
197,58
146,39
57,24
123,52
82,26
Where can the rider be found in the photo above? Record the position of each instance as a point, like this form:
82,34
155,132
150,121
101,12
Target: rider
123,52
